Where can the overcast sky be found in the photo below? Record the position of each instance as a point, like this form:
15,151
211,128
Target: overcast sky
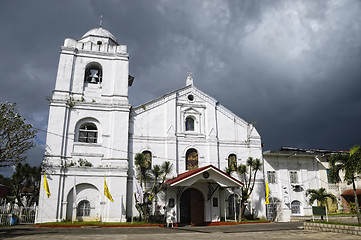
293,67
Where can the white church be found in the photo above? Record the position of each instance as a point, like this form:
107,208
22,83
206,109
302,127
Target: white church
94,134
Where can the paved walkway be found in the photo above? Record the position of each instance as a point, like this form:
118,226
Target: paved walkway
246,231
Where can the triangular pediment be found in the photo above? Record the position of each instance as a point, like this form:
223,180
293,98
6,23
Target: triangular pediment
205,174
191,110
193,95
201,100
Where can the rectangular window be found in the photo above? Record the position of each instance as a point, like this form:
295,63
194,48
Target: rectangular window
329,179
293,177
215,202
271,177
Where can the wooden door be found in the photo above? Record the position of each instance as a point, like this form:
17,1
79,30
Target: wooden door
191,207
197,209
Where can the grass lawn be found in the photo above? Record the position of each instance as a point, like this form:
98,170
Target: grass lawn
341,214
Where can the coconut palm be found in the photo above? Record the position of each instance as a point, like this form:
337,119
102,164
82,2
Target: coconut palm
321,196
350,165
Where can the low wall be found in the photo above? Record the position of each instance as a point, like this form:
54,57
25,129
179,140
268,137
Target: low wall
323,227
331,218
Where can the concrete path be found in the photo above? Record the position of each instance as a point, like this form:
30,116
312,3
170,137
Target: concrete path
246,231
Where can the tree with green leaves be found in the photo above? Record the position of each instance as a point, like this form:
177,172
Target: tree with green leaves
26,184
155,176
321,196
16,136
349,164
23,185
142,168
248,174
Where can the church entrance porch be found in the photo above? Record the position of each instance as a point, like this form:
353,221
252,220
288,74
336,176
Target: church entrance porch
199,196
192,207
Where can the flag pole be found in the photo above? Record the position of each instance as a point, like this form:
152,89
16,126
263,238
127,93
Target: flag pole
102,205
42,207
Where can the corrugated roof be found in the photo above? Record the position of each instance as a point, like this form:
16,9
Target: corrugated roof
292,150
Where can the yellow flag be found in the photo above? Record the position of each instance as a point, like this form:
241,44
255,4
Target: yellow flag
46,186
267,193
106,191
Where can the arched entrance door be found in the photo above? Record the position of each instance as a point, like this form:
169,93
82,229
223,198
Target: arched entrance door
191,207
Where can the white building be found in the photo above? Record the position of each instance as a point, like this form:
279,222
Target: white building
94,134
290,172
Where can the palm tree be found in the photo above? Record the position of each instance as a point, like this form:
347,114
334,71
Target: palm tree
167,168
350,165
321,196
145,175
156,172
159,172
249,179
143,171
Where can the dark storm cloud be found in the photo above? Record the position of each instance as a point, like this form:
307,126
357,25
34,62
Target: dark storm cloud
291,66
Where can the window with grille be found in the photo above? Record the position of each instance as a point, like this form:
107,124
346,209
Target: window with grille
83,209
88,133
296,207
271,177
293,177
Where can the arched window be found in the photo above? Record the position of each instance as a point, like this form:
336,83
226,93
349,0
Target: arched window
88,133
232,162
189,124
148,159
192,159
93,73
296,207
83,209
233,206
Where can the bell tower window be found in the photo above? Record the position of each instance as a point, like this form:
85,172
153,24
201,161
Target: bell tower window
93,73
88,133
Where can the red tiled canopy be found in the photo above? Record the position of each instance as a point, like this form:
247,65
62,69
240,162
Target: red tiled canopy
349,192
189,174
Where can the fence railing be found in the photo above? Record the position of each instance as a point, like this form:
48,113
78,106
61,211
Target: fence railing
11,214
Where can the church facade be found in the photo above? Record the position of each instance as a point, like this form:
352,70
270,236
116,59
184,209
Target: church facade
94,135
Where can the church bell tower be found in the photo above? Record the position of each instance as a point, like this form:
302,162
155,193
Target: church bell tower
87,139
